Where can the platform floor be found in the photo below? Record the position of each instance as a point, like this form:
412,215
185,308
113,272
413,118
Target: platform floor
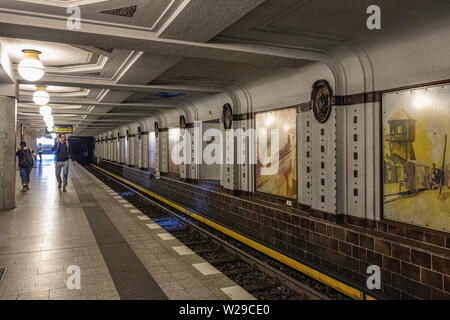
120,253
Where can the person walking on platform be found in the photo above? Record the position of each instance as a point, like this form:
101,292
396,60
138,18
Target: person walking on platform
40,150
63,154
26,163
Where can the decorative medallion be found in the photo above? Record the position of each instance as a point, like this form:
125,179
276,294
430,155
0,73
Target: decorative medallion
321,100
227,116
182,124
156,129
123,12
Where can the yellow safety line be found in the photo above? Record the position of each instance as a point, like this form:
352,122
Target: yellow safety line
331,282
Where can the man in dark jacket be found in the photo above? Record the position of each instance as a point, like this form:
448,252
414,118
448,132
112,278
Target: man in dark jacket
26,163
63,154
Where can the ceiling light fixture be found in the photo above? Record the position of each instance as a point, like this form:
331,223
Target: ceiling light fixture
31,68
41,96
49,121
45,110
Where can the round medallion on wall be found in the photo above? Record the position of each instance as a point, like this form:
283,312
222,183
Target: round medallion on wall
182,124
321,100
227,116
156,129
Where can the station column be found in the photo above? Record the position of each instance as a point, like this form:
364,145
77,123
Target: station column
145,150
8,109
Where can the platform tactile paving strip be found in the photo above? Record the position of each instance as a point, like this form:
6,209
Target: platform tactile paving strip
131,279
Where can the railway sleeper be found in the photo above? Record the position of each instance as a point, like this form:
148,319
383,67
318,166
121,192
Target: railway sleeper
195,242
259,286
205,250
224,260
237,271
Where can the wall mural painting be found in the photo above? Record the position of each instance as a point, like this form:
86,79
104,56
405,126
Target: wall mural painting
284,181
416,157
174,138
152,157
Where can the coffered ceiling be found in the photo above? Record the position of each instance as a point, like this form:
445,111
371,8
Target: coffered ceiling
128,54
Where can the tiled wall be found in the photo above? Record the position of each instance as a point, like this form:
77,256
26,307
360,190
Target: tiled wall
415,262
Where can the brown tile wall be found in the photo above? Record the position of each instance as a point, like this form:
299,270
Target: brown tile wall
415,262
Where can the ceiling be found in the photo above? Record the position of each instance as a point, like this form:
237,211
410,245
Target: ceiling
113,70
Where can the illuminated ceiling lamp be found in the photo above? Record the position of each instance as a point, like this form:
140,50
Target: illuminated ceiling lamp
48,117
49,121
41,96
45,110
50,129
31,68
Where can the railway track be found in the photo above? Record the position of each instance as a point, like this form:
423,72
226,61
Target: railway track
261,276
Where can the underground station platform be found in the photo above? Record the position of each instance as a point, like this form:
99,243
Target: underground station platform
219,159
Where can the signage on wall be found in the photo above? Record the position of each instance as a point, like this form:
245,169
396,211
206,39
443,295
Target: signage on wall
66,129
227,116
182,124
321,100
156,129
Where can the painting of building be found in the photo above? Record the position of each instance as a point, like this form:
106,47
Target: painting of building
283,182
416,156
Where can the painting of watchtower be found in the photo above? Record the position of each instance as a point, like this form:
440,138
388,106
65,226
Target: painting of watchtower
399,144
416,156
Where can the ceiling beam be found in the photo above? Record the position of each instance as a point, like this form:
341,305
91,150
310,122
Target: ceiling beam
76,120
103,83
36,26
74,113
86,102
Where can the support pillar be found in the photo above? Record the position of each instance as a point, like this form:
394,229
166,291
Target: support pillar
138,151
131,148
145,150
122,150
8,110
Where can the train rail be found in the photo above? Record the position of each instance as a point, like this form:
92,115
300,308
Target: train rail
261,276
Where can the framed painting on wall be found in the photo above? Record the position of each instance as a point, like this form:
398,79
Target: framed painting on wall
416,156
282,181
152,157
174,139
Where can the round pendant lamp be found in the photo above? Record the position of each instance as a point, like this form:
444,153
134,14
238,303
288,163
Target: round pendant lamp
41,96
31,68
45,110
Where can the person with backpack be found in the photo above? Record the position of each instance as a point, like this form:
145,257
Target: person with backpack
63,154
26,163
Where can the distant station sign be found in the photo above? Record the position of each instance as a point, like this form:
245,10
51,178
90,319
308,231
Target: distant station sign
62,129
